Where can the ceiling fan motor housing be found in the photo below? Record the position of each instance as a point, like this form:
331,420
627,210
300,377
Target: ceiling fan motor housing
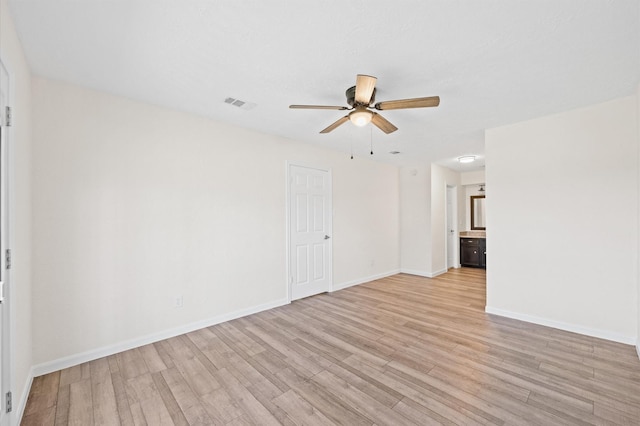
351,97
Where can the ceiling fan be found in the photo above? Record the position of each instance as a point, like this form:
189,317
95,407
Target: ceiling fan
361,98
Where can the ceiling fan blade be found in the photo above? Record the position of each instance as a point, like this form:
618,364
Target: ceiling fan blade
364,88
317,107
382,123
336,124
431,101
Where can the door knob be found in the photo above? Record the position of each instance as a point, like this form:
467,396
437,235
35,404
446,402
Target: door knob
326,237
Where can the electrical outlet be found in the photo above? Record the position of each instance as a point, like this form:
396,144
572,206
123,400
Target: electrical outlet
178,301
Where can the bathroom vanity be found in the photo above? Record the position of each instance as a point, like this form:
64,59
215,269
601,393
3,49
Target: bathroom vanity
473,252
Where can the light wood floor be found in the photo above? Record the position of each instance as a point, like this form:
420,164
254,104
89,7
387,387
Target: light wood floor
400,350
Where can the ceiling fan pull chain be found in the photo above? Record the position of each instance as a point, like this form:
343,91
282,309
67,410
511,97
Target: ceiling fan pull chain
371,139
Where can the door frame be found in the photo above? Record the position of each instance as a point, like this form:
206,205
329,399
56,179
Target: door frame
289,177
7,379
451,191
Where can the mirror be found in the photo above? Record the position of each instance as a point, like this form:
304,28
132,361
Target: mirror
477,212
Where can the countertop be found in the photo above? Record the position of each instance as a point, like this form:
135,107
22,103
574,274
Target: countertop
473,234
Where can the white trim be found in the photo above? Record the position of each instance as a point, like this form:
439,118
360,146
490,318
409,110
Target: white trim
456,233
365,280
423,273
574,328
7,218
71,360
287,226
22,402
439,272
638,348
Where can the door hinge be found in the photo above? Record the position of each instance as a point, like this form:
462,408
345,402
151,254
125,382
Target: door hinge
7,259
9,401
8,116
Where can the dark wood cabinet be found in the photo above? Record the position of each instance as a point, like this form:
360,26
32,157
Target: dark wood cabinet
473,252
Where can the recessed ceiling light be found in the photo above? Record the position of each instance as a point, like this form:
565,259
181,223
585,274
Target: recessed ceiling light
467,159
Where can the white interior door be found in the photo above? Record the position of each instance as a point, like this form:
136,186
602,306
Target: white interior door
451,227
310,226
5,295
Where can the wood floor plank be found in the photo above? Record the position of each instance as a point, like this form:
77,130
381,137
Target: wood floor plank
398,350
199,379
496,393
44,394
105,406
476,407
62,405
73,374
178,390
163,349
435,403
44,417
152,359
614,416
221,407
300,410
330,405
131,364
80,403
241,396
147,402
420,415
122,402
362,403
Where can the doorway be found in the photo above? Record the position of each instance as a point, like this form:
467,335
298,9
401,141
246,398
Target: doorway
309,220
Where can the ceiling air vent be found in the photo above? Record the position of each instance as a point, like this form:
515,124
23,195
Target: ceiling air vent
240,104
394,152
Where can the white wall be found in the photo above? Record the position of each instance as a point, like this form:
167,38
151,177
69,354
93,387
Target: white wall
423,198
564,220
472,178
415,220
366,220
20,199
135,204
441,177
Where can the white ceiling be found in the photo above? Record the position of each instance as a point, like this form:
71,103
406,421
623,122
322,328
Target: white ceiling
492,62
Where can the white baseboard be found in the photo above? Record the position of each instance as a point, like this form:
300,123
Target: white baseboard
440,272
574,328
423,273
348,284
22,402
638,348
70,361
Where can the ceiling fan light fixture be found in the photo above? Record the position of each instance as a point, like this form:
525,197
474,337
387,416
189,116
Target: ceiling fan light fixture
467,159
361,117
